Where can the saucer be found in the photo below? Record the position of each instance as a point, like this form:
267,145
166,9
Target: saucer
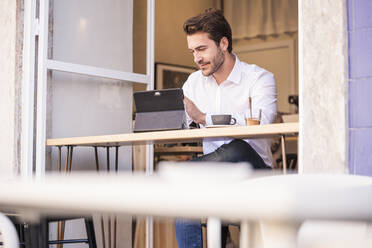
213,126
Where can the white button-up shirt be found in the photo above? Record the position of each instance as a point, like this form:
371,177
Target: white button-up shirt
232,97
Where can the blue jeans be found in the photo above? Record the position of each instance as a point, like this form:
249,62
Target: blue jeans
188,232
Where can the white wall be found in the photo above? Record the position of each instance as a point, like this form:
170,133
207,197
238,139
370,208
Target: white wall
10,75
323,71
96,33
278,55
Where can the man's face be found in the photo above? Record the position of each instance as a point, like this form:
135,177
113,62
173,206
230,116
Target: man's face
207,55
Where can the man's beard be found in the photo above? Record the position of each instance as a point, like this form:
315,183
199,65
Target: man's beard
217,62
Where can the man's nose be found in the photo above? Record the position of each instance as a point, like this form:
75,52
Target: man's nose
197,58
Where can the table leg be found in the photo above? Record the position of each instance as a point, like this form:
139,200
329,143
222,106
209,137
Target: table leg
116,158
59,169
214,232
96,155
67,157
102,221
284,157
250,234
279,234
109,217
108,158
244,234
59,158
149,242
68,166
103,232
109,231
116,170
70,160
61,224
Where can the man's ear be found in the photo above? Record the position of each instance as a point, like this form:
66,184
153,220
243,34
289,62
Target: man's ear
224,43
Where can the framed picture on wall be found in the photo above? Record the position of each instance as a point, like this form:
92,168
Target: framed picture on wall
171,76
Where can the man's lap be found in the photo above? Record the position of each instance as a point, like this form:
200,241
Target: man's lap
236,151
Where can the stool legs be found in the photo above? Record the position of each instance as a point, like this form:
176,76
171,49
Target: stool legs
89,227
44,233
67,169
68,166
112,234
61,224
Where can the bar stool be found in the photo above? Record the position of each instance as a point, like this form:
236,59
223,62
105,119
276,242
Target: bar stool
36,235
89,224
61,221
89,227
291,161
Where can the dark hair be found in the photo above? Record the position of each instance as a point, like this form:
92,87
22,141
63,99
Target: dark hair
212,22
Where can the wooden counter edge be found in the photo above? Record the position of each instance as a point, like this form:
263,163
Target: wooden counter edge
178,135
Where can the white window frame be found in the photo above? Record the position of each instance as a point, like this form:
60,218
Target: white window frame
39,27
33,27
30,32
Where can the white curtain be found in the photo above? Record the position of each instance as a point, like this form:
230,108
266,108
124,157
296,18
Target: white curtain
251,18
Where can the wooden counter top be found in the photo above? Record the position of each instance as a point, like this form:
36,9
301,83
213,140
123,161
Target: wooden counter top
259,131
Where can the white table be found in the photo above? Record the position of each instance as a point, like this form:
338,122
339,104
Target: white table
190,135
281,202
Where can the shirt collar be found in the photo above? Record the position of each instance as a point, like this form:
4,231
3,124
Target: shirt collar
234,76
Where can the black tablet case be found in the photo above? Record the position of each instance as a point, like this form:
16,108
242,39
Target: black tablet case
159,110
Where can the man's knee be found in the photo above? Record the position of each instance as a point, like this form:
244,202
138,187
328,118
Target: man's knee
238,146
238,151
233,151
239,143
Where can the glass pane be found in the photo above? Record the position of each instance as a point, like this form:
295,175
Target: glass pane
93,32
79,105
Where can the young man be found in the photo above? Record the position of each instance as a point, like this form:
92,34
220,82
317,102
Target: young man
224,85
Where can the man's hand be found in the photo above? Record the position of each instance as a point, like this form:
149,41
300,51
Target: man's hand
195,114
